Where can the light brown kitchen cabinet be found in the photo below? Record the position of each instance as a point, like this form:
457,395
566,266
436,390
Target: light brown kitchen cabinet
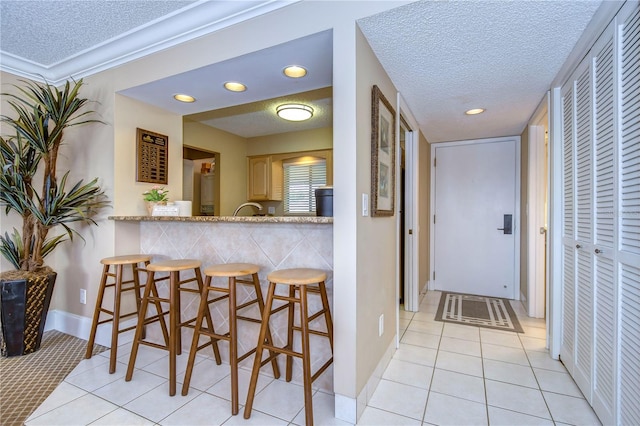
264,181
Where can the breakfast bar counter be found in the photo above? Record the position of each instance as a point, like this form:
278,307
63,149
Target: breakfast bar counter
228,219
271,242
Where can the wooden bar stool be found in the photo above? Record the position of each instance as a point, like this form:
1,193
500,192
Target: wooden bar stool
172,335
234,272
302,281
120,287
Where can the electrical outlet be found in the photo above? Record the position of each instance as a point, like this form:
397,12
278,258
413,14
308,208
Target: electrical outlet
83,296
381,325
271,210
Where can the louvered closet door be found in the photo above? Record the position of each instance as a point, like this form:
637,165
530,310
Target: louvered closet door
601,222
577,347
605,342
567,350
629,208
584,229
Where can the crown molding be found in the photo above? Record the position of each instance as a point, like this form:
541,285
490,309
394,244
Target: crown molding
203,18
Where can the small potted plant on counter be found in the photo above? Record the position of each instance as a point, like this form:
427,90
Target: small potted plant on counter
42,113
154,196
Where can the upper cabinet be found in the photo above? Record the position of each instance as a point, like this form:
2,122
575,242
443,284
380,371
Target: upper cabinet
264,180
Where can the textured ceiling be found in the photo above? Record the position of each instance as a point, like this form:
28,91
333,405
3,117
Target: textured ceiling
81,24
446,57
443,56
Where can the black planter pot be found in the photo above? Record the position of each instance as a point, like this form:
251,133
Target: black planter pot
24,304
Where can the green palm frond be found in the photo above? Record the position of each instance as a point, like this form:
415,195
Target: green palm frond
77,205
42,113
11,247
18,163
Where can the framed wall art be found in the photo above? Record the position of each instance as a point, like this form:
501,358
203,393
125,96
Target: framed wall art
383,154
153,157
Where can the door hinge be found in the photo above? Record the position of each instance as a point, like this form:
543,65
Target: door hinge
434,162
410,231
434,275
434,218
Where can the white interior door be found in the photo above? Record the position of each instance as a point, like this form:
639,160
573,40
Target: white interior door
476,188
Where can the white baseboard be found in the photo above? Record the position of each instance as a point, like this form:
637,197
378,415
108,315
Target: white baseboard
349,409
345,408
80,327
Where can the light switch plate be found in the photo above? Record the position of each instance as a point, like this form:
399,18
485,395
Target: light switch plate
365,204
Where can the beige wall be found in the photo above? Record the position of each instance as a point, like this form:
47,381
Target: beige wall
524,220
424,209
376,236
233,161
306,140
364,248
87,157
131,114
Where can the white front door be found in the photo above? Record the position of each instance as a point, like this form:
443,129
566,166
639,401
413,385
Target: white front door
476,188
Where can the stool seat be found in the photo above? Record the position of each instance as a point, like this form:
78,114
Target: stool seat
236,273
301,282
174,265
297,276
173,332
232,270
126,259
114,268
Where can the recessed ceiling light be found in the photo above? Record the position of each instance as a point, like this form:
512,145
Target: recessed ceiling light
234,86
294,112
295,71
474,111
184,98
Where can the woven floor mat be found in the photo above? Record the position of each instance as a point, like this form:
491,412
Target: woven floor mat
480,311
29,379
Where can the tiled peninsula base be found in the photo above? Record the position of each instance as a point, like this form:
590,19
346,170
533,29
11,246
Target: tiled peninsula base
271,245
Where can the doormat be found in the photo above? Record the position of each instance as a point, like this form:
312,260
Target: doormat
481,311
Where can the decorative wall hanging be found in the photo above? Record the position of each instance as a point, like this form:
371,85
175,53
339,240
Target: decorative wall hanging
383,154
153,156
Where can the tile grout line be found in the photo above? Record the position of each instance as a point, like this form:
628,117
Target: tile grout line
435,362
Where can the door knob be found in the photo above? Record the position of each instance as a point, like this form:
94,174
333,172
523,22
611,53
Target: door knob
578,246
598,251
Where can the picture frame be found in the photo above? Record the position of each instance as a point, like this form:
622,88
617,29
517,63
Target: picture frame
383,155
152,152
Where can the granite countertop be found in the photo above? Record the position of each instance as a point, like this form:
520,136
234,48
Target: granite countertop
236,219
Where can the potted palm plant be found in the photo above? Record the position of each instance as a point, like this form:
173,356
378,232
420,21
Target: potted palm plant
42,113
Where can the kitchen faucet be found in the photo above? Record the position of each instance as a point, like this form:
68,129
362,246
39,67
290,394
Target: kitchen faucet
258,205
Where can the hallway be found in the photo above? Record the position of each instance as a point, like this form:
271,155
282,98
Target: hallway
442,374
448,374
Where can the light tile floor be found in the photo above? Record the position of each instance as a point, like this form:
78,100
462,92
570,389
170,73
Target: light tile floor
442,374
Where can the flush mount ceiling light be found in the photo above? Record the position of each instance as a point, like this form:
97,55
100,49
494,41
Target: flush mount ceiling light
294,112
184,98
474,111
234,86
294,71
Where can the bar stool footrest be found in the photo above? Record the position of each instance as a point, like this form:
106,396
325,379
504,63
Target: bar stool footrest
321,369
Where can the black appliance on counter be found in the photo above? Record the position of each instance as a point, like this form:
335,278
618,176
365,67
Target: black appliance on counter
324,201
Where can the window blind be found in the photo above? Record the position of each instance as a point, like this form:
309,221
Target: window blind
300,182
